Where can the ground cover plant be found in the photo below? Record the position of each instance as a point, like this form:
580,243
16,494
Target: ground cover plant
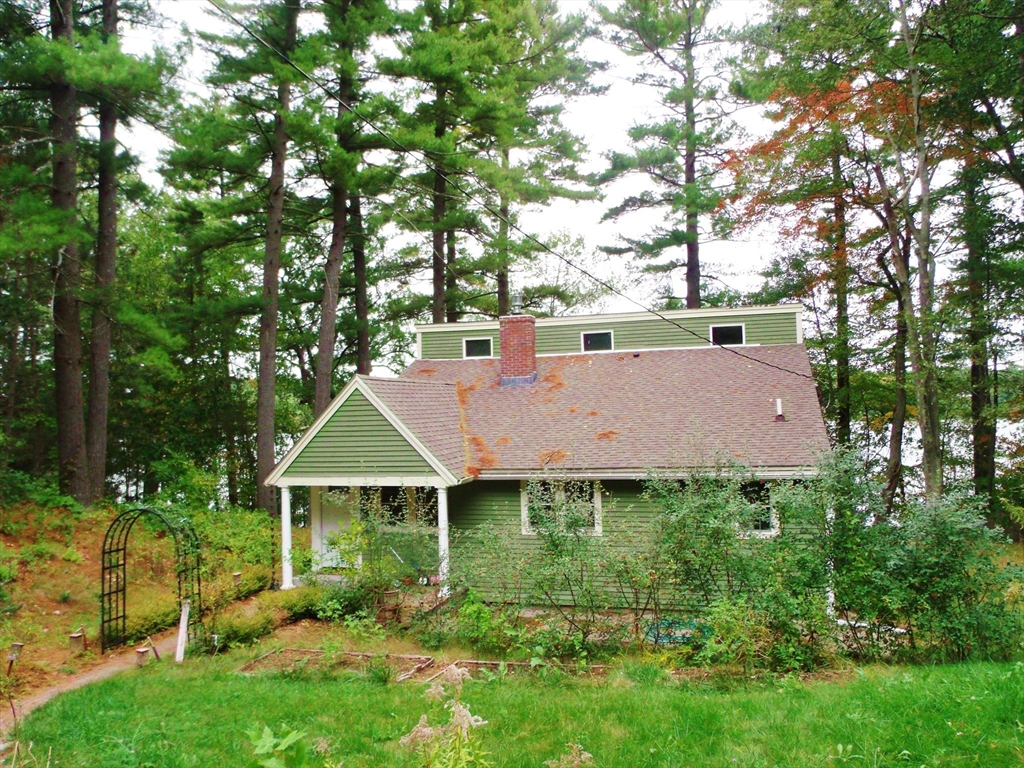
202,714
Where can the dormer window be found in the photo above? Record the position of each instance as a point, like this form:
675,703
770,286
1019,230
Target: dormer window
597,341
476,347
727,335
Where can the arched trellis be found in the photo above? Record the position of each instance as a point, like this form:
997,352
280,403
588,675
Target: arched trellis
114,581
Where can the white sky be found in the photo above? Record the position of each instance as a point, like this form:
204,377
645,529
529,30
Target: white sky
602,122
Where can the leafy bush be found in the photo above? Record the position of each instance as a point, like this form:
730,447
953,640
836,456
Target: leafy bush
242,628
151,619
336,602
41,551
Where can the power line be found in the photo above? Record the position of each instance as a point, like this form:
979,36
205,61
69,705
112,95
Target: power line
425,160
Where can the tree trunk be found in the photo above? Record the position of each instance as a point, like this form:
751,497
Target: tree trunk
690,172
504,300
266,497
73,463
451,284
894,464
440,199
841,281
979,332
922,333
106,258
364,363
329,302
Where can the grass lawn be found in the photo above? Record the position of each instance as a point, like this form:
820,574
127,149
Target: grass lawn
196,715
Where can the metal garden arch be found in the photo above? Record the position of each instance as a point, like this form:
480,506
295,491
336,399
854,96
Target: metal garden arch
114,581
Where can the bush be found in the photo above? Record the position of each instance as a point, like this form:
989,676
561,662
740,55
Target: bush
336,603
296,604
152,619
242,628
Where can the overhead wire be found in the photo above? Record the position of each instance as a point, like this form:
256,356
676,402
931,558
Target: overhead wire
425,160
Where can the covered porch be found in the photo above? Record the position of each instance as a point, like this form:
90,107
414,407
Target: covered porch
327,519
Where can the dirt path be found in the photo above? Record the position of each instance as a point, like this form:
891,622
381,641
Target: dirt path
114,663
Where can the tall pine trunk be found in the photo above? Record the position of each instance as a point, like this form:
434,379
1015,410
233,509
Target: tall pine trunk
266,497
329,302
440,200
364,364
979,334
690,169
504,260
106,258
841,281
451,283
73,463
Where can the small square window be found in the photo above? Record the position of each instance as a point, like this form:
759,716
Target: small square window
476,347
727,335
598,341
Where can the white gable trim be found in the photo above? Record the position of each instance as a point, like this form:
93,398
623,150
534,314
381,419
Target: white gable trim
408,434
275,478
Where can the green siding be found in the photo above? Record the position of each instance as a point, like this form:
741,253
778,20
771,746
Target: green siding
447,345
761,328
357,440
627,518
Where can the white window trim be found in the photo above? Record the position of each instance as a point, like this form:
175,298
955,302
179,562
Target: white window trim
583,348
711,334
524,510
771,533
489,339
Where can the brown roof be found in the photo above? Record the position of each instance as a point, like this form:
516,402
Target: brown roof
616,412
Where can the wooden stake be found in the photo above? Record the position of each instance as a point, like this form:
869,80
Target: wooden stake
141,654
179,652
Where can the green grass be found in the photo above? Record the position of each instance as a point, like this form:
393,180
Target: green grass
197,715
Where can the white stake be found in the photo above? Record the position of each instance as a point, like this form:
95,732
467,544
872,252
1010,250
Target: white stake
179,652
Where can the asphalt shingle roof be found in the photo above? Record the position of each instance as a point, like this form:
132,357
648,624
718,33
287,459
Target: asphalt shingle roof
661,409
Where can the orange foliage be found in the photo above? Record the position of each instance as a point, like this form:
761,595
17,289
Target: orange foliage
608,434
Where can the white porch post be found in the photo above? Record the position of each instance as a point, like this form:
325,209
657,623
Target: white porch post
286,538
442,539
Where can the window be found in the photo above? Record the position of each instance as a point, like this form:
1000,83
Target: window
476,347
765,524
573,505
597,341
727,335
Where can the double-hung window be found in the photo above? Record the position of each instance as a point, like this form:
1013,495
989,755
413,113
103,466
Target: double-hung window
764,524
571,505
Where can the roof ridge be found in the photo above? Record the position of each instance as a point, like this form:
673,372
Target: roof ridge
416,381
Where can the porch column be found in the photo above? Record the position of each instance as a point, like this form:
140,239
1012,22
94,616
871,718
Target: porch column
442,540
286,538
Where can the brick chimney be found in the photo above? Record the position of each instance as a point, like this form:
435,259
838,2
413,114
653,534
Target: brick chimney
518,350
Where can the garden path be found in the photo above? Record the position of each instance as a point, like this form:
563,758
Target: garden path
115,662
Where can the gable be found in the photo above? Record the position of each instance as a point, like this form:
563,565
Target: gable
358,441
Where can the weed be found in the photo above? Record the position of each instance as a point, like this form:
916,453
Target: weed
451,745
363,627
574,758
64,597
380,671
72,555
40,551
643,672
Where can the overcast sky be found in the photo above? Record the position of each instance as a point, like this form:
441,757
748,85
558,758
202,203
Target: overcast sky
601,120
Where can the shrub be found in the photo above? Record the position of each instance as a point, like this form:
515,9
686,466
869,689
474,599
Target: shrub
40,551
242,629
337,602
151,619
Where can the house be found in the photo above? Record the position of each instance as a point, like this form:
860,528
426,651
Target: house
605,399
